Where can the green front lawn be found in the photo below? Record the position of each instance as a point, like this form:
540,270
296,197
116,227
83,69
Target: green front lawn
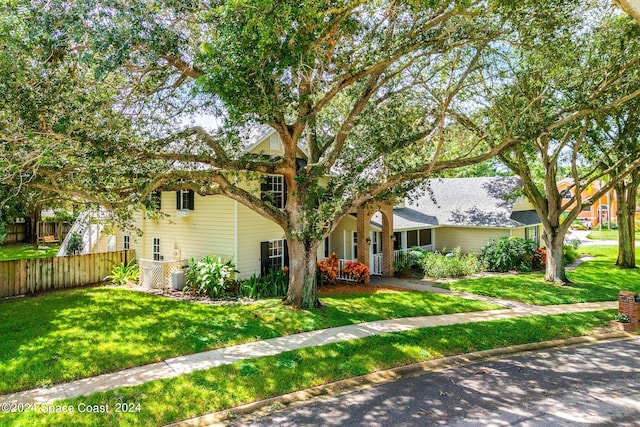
24,251
165,401
84,332
606,235
596,280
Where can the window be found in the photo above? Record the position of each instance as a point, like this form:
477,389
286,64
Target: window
156,249
531,233
274,255
397,242
327,248
273,189
274,141
185,200
566,194
425,236
419,237
354,240
126,242
374,242
412,238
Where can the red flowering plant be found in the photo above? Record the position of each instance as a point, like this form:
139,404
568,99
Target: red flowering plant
328,270
539,259
356,270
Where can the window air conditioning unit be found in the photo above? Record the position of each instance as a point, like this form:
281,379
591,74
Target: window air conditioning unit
182,213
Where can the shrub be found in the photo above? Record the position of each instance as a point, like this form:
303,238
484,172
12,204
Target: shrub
210,276
274,284
328,270
3,231
74,244
508,253
454,264
409,262
356,270
124,274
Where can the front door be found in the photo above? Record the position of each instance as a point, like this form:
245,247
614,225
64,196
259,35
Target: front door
375,254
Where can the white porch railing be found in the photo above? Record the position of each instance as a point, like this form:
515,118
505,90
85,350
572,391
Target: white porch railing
398,254
341,274
157,274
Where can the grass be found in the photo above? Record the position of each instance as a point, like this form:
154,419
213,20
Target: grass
24,251
165,401
596,280
79,333
606,235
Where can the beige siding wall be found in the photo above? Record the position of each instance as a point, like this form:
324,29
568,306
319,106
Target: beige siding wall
518,232
523,204
468,239
348,225
252,229
209,229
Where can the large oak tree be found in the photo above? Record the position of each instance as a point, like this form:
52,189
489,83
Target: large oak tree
373,90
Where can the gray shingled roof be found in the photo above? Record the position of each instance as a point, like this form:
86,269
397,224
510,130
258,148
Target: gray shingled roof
470,202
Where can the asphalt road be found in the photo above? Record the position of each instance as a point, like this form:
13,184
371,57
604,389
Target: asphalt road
587,385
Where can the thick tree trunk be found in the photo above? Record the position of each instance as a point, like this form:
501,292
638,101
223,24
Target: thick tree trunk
303,286
554,271
626,225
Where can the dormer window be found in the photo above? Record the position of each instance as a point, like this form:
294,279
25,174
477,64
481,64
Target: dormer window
273,189
274,141
185,200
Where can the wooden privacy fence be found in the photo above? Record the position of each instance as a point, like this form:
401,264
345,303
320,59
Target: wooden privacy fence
28,276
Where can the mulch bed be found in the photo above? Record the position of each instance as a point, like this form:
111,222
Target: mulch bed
356,288
338,288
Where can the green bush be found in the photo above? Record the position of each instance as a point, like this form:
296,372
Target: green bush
3,231
454,264
124,274
508,253
569,254
210,276
274,284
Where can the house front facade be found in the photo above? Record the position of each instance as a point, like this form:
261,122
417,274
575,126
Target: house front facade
465,213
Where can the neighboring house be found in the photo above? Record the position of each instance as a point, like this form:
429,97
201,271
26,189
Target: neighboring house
603,211
467,212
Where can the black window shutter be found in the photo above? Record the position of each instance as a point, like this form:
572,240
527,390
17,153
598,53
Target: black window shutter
286,253
192,200
178,200
397,244
264,258
284,192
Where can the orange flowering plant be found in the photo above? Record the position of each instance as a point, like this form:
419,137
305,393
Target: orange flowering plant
356,270
328,269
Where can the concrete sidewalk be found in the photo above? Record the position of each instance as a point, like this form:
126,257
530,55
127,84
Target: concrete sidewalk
224,356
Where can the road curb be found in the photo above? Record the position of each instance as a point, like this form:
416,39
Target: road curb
390,375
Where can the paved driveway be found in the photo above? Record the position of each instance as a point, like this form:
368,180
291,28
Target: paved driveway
586,385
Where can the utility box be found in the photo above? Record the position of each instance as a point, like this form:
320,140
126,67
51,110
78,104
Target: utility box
629,305
177,280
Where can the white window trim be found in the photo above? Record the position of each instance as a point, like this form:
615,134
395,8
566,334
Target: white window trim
184,204
126,242
280,255
276,187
